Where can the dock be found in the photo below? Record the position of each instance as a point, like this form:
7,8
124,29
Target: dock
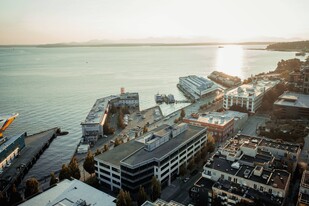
36,144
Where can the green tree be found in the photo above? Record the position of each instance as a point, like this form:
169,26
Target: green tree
141,196
15,196
124,198
89,163
64,172
32,187
74,168
53,179
155,189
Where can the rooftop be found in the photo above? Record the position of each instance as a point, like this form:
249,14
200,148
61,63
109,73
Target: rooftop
305,179
292,99
167,148
251,89
199,82
71,193
98,110
215,118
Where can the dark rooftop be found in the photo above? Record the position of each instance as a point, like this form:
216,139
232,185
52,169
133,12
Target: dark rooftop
223,165
204,182
166,148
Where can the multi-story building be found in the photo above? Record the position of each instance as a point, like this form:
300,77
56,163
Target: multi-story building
303,195
197,87
292,105
158,153
71,192
92,127
300,79
246,163
220,124
160,202
248,96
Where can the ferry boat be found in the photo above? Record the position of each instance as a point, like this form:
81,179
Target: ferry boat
158,98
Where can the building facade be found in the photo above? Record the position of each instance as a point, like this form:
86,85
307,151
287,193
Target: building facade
197,87
292,105
158,153
249,96
303,195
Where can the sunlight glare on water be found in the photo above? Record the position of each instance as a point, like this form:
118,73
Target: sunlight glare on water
230,60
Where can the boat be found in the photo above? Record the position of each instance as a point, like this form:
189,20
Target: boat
171,98
220,47
158,98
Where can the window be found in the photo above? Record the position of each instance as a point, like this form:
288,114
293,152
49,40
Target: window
229,178
222,176
261,188
270,191
254,186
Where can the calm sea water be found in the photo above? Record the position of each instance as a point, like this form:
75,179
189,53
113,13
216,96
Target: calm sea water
51,87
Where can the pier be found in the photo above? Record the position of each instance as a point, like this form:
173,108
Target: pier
36,144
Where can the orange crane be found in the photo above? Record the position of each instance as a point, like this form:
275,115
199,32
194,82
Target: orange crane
5,121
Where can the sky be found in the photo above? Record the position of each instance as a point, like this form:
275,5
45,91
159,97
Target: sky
54,21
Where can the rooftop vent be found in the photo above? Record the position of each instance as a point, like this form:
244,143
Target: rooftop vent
235,165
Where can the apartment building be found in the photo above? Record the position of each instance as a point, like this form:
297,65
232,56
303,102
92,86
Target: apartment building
248,95
244,169
158,153
303,195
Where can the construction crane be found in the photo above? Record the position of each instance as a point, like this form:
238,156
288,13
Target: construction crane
5,121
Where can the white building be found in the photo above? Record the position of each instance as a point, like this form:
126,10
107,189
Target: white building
158,153
71,193
196,86
248,95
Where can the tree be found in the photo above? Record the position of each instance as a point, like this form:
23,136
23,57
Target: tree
97,152
182,170
120,120
64,172
145,129
182,114
53,179
124,198
15,197
155,188
198,157
89,163
32,187
141,196
107,129
136,134
74,168
117,142
105,148
191,165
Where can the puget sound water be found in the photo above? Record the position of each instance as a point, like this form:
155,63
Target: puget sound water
51,87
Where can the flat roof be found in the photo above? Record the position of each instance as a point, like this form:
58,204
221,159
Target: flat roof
164,149
292,99
204,182
98,110
257,88
122,151
200,83
221,164
280,145
69,193
213,118
279,178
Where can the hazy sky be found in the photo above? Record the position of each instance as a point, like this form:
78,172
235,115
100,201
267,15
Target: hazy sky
51,21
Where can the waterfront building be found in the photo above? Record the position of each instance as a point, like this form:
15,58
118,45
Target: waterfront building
197,87
71,192
92,127
220,124
248,96
9,147
224,79
160,153
244,169
303,195
292,105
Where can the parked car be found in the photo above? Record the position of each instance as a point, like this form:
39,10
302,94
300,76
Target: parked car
186,179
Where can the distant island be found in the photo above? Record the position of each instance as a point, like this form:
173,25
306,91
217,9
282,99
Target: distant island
297,46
